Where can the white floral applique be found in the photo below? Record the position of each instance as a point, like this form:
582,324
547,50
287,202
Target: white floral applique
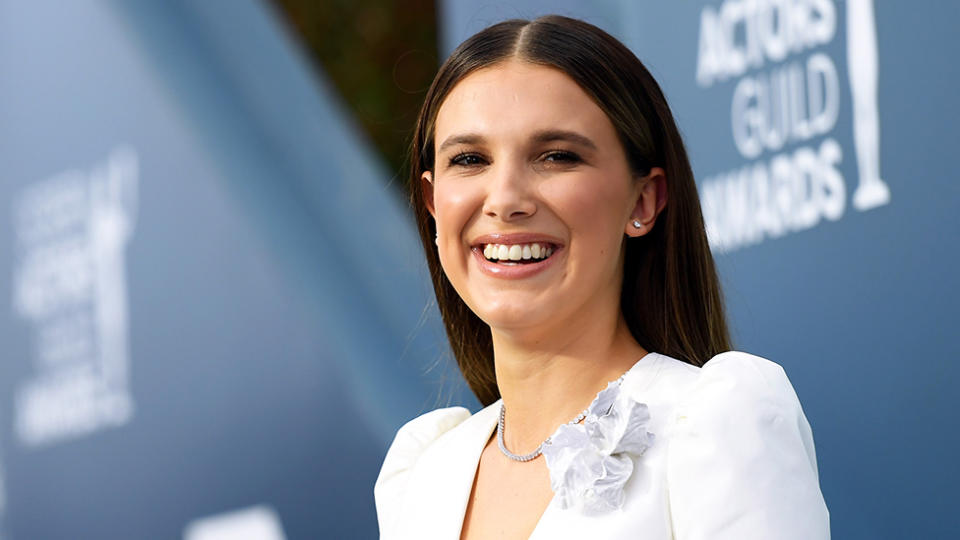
590,462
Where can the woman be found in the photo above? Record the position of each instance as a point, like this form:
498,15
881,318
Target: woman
561,224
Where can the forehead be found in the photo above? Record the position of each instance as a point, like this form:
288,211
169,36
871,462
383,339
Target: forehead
515,98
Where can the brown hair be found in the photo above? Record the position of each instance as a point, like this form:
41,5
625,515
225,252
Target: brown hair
671,297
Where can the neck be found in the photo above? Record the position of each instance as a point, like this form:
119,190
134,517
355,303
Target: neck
546,381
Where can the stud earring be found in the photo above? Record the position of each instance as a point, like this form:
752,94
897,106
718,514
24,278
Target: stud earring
637,224
436,239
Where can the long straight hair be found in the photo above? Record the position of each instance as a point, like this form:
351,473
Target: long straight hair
670,297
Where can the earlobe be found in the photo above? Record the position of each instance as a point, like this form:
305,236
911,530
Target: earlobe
426,185
636,228
651,200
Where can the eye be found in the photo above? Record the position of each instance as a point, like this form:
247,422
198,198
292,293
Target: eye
466,160
561,156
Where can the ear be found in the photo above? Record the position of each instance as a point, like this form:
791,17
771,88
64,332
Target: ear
426,185
651,200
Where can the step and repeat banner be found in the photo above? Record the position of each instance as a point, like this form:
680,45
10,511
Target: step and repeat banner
214,314
821,134
212,307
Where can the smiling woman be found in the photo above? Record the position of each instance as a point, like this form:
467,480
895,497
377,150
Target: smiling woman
561,223
528,160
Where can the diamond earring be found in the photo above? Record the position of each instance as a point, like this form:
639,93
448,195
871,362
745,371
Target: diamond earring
637,224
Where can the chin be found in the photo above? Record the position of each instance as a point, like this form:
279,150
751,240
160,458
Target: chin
514,316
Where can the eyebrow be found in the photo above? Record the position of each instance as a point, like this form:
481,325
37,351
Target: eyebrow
548,135
552,135
466,138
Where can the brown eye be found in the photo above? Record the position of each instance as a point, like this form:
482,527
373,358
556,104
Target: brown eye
561,156
466,160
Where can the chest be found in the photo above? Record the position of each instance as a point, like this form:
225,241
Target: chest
507,498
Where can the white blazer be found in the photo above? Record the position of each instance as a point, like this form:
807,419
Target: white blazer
733,458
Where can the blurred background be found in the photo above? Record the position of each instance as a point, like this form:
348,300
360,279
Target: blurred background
214,312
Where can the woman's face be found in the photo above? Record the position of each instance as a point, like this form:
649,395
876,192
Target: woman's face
532,194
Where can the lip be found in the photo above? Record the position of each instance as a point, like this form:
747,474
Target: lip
519,271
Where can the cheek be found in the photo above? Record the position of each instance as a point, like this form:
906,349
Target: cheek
592,206
455,207
453,204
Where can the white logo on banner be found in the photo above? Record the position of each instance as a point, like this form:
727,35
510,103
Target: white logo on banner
259,522
70,286
796,101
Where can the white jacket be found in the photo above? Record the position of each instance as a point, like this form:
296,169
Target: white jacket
733,458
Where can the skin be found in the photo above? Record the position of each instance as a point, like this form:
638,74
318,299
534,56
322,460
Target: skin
558,336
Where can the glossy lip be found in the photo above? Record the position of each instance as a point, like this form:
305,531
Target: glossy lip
519,271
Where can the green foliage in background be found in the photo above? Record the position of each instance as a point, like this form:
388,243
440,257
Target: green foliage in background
381,56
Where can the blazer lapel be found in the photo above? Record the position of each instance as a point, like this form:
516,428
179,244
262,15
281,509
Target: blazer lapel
441,481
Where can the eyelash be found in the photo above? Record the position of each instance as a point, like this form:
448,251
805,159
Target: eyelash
565,156
456,160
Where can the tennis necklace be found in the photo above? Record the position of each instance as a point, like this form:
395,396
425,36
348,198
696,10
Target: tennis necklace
536,452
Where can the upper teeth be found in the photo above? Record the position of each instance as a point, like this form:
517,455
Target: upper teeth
515,252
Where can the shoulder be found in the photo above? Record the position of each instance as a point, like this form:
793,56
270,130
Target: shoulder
417,434
737,398
734,379
670,384
731,389
741,458
412,440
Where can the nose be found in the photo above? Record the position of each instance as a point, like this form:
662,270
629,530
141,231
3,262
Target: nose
509,196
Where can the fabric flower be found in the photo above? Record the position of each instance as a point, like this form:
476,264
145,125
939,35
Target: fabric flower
590,462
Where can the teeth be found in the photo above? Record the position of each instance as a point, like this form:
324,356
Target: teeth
516,252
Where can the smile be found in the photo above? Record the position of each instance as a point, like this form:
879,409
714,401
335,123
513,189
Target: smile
515,254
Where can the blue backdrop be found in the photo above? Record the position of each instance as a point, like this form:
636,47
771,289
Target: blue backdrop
214,306
215,313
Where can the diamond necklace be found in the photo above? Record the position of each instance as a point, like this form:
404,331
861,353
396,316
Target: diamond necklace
536,452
